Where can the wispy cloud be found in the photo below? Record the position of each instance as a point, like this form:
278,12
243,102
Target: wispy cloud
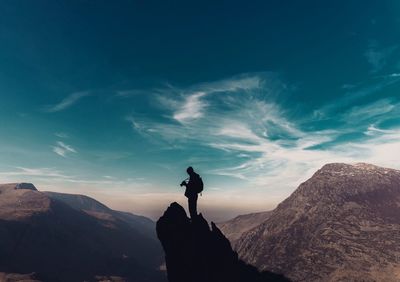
378,57
129,93
356,95
370,111
191,102
54,176
42,172
279,151
108,177
61,135
192,108
237,130
372,130
238,83
67,102
281,166
63,149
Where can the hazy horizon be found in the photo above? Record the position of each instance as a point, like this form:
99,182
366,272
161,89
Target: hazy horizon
115,100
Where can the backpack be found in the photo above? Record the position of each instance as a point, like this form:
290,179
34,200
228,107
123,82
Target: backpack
198,184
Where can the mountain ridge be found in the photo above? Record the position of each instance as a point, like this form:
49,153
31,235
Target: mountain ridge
102,212
343,221
73,245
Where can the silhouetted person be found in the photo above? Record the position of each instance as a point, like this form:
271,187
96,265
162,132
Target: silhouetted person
193,187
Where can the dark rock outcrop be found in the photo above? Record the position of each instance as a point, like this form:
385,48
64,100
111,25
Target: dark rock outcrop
28,186
196,253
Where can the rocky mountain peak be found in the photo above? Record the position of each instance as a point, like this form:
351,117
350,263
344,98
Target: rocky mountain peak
342,224
27,186
342,169
22,187
339,182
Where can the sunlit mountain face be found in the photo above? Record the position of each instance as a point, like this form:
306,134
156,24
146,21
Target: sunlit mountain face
115,100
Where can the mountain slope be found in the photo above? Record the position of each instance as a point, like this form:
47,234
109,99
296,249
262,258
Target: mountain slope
41,234
108,216
343,224
17,203
235,227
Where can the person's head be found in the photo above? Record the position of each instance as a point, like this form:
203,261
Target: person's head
189,170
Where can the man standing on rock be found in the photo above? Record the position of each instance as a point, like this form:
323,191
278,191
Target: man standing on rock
193,187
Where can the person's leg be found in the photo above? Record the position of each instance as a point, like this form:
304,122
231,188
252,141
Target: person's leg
193,206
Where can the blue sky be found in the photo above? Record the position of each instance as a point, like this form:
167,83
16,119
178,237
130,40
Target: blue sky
115,99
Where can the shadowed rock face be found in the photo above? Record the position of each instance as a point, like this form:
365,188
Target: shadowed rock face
27,186
343,224
196,253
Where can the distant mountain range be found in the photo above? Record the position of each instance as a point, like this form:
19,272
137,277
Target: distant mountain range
63,237
343,224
